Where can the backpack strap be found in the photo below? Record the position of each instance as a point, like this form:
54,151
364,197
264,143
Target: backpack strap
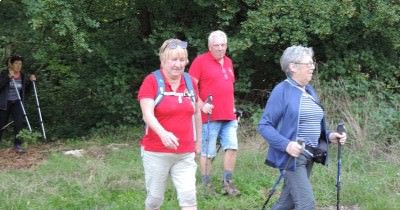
189,86
161,86
161,92
190,89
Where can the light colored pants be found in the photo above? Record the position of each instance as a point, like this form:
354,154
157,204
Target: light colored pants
157,168
297,191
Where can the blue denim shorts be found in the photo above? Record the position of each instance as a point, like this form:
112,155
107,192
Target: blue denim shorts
225,131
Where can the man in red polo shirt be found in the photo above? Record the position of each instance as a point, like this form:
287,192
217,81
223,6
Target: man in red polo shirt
213,72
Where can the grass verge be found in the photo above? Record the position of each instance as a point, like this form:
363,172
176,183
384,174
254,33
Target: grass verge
111,177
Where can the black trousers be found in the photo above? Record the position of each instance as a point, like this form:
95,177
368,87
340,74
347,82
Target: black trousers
14,108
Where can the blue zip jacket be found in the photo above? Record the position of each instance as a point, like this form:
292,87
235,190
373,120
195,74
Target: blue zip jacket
280,121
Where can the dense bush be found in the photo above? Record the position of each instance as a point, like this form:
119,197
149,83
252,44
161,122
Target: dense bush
91,56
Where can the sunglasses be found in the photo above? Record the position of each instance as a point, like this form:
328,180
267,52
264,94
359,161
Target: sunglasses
308,64
174,44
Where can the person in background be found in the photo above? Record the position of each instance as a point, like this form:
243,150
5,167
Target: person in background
172,136
293,111
213,72
9,100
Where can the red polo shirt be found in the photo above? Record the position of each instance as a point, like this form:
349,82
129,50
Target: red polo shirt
173,115
218,81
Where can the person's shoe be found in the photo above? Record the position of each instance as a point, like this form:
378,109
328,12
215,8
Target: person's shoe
230,189
19,149
208,189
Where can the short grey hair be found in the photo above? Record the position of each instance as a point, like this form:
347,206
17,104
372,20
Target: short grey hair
294,54
217,33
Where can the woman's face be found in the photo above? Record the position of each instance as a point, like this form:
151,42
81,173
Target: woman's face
174,65
16,66
302,71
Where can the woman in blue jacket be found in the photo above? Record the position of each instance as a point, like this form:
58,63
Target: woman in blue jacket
293,111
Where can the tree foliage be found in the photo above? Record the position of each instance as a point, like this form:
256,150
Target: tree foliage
91,56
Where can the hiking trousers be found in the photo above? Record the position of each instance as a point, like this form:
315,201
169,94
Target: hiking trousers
297,190
15,110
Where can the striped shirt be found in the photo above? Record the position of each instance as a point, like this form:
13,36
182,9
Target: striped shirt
311,115
12,92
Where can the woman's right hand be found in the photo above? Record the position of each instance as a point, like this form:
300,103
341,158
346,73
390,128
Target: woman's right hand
11,74
294,149
169,140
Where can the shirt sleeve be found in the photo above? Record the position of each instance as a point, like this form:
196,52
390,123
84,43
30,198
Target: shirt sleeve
148,89
195,68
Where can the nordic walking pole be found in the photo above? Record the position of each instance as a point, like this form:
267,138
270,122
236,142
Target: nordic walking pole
340,129
38,108
272,191
4,127
22,105
209,101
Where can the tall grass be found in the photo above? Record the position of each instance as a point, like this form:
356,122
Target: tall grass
372,119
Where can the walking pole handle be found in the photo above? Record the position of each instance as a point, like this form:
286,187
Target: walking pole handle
340,128
209,99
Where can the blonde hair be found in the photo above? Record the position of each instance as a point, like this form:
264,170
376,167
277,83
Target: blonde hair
173,47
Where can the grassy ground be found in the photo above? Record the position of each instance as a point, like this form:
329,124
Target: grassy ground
110,176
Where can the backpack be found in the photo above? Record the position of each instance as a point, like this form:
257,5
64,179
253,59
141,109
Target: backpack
161,93
161,88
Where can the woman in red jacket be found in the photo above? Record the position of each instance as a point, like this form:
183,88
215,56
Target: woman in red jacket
173,132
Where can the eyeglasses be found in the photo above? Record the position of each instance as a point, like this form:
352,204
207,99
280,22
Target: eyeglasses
308,64
175,43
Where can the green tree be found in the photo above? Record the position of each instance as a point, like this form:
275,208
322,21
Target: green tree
91,56
358,40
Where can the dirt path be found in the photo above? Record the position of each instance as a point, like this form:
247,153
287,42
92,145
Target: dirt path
9,159
36,154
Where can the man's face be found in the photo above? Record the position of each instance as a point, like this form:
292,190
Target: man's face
218,47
